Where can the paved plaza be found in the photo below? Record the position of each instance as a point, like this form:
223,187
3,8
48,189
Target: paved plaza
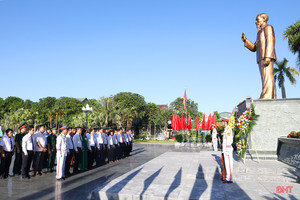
161,171
185,175
80,185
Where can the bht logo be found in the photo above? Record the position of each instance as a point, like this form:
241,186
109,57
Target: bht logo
282,189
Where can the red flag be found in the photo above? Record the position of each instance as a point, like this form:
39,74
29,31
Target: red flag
173,123
190,122
178,122
183,122
214,120
203,122
208,126
197,122
184,100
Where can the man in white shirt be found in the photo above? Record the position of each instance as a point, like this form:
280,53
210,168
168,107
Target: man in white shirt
117,146
7,148
27,152
77,139
105,150
100,151
40,150
92,148
121,143
131,139
62,150
228,140
110,147
126,142
70,154
214,138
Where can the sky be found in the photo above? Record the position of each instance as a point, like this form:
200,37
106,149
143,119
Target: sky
156,48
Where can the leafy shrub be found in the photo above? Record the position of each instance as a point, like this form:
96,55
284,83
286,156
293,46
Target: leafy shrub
208,138
178,137
294,134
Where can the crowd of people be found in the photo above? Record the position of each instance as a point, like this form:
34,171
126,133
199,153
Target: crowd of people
77,147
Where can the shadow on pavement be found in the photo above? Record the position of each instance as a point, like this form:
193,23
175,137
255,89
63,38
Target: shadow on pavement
59,185
112,192
175,183
199,187
137,152
220,190
148,181
292,197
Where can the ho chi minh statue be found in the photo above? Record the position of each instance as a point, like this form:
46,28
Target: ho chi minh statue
265,54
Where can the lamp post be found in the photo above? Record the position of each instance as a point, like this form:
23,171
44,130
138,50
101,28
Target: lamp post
87,109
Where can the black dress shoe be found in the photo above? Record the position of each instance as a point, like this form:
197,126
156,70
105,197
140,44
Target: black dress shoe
224,181
229,181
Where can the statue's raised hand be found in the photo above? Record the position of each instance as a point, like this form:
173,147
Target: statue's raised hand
244,37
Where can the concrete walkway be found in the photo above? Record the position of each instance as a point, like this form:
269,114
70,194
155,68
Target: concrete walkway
189,175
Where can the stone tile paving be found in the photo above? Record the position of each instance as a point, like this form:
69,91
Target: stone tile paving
187,175
81,185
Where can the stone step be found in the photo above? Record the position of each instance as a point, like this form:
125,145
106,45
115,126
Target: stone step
253,170
261,157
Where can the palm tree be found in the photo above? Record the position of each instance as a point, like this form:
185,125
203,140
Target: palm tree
108,111
292,34
281,71
78,120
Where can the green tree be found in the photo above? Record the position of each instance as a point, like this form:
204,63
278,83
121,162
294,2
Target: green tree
108,113
44,109
2,108
67,107
78,120
27,104
292,35
191,107
151,116
281,71
15,119
165,117
12,104
130,106
218,116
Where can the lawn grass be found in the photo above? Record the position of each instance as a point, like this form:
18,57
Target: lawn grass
154,141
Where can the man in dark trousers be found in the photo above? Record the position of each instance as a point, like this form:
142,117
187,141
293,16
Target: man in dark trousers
18,158
51,140
77,140
70,154
27,152
7,148
39,150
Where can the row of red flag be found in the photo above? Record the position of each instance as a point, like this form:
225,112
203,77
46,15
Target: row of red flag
180,124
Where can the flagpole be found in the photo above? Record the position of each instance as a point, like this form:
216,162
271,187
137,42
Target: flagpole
187,122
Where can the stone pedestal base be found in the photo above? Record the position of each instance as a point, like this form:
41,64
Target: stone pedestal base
277,118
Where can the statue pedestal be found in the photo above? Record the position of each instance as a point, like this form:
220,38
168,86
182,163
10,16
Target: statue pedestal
277,118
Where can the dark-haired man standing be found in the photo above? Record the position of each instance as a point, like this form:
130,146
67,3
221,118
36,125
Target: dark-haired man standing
77,139
51,140
27,150
40,148
18,158
7,147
